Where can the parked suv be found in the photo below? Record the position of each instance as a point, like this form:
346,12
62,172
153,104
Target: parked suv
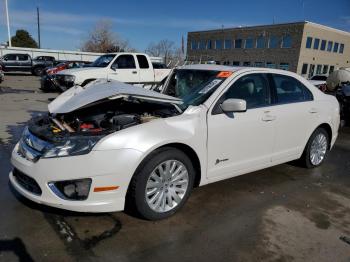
24,63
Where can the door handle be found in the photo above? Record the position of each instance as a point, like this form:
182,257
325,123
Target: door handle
267,117
313,111
134,72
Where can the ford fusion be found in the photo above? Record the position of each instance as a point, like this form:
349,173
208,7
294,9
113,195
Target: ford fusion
110,146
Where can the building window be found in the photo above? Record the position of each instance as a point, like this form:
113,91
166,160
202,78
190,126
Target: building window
218,44
259,64
311,70
341,49
304,69
329,46
235,63
318,69
323,45
202,44
246,63
249,43
336,46
238,43
209,45
284,66
194,45
316,43
286,41
274,42
270,65
228,44
260,42
325,70
308,42
331,69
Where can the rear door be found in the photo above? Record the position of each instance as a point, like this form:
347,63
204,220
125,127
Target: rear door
296,116
146,70
24,62
124,69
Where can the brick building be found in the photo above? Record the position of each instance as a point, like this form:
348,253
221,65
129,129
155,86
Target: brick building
302,47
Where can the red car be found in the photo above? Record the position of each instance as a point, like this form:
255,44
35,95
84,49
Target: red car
48,82
65,65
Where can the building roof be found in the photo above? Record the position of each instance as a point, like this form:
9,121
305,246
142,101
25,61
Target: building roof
275,25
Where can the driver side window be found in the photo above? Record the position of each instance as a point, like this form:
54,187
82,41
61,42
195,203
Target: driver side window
252,88
125,62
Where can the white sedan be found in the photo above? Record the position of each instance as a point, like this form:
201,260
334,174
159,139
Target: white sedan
110,146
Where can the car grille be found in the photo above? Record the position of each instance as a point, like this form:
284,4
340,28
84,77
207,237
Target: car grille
27,182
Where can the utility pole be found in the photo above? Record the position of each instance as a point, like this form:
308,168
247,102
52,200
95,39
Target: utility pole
8,23
38,17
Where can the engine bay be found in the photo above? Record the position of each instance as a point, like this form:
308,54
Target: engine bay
99,119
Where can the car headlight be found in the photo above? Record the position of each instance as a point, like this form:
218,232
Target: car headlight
72,147
69,78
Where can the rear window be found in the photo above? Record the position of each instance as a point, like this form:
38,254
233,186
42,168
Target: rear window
143,62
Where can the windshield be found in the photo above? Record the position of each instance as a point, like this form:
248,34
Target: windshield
102,61
193,86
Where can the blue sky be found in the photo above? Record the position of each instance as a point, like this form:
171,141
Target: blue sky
65,23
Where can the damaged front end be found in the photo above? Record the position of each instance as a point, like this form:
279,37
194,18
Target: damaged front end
77,131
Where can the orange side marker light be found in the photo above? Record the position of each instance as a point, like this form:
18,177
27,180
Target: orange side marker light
224,74
106,188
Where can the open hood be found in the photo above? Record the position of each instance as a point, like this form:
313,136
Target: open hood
78,97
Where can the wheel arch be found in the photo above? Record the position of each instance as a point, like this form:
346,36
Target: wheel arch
186,149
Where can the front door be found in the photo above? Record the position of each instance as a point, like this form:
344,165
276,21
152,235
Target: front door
241,142
124,69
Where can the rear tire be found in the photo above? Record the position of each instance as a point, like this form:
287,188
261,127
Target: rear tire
155,196
317,148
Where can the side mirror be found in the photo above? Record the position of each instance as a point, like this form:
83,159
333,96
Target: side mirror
114,67
232,105
5,58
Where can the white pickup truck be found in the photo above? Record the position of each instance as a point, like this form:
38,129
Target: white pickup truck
132,68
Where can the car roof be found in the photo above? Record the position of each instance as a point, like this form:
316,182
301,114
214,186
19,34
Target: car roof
234,68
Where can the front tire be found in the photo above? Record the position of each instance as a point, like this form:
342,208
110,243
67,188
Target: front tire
316,149
162,184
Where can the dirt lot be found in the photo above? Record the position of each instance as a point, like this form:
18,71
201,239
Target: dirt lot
284,213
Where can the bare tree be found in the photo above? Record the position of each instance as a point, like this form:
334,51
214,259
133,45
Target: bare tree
103,40
164,48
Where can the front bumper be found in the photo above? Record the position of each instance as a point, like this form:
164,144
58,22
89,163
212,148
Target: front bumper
105,168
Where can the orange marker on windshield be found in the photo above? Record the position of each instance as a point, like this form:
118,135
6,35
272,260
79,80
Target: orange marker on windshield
224,74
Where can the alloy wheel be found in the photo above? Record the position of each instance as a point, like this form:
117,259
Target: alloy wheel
166,186
318,149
